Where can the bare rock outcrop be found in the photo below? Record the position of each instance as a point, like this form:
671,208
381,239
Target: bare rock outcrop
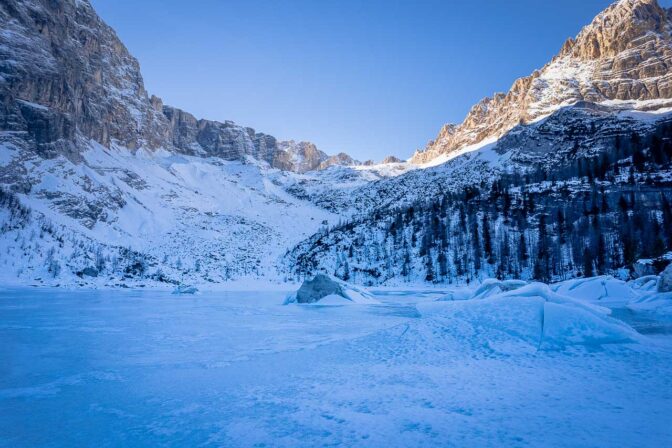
665,280
66,78
624,58
340,159
62,70
391,159
299,157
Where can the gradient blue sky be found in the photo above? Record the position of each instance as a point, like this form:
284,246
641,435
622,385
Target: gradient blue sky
367,77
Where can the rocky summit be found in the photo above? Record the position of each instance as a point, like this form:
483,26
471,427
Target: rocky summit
66,78
623,59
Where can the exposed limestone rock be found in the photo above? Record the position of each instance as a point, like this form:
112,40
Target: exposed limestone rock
298,157
625,54
62,69
65,78
644,268
341,159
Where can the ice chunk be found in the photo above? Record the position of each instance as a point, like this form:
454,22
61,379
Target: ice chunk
533,316
489,287
565,324
492,286
604,289
646,283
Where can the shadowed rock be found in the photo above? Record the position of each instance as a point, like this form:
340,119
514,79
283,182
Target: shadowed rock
319,287
665,281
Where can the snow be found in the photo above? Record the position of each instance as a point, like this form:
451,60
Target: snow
34,105
150,368
333,299
660,303
234,218
483,149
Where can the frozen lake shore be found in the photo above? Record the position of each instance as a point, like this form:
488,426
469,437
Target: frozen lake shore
148,368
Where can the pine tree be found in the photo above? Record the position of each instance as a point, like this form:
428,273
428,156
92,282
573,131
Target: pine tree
541,265
523,255
346,271
443,263
487,239
587,263
429,265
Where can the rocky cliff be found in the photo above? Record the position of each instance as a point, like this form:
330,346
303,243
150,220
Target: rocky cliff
65,74
622,58
65,78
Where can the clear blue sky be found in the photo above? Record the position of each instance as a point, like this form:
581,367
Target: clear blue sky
367,77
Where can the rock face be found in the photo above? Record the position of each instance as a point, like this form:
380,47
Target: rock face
340,159
65,77
62,71
623,57
391,159
226,140
298,157
319,287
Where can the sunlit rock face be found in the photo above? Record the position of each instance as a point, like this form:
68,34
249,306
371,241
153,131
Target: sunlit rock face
622,59
64,73
65,78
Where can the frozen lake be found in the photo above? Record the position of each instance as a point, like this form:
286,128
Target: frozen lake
128,368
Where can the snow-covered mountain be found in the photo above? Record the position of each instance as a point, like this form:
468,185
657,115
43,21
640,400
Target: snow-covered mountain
102,183
623,59
103,165
595,124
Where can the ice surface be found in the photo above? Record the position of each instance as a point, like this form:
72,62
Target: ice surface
129,368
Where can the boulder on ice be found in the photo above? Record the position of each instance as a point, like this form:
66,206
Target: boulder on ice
644,267
665,280
329,290
185,289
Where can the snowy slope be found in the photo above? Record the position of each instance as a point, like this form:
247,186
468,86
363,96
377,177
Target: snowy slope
222,219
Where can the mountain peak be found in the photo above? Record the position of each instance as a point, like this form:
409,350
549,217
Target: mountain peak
624,55
618,28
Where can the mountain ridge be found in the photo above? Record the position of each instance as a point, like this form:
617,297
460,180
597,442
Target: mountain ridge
65,74
623,55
